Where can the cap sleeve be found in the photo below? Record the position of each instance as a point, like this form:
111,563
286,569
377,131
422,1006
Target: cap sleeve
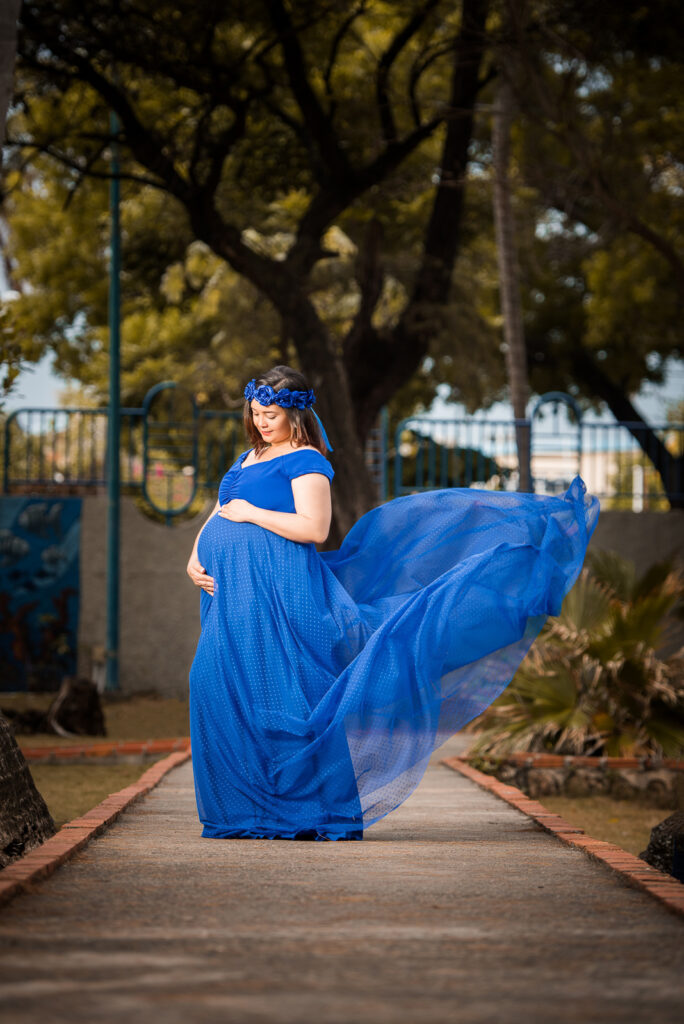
307,462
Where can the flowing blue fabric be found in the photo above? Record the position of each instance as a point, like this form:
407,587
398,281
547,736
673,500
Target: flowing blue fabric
323,681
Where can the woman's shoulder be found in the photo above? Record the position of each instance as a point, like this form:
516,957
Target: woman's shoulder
306,460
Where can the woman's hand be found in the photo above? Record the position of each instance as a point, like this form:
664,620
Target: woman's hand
237,510
198,575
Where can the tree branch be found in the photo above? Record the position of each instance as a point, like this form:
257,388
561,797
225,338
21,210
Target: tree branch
338,39
329,203
316,122
145,144
370,278
389,359
418,68
386,62
592,375
66,161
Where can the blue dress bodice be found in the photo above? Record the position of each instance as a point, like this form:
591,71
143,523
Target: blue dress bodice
268,483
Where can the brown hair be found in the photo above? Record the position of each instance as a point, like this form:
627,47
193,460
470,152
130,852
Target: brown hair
304,429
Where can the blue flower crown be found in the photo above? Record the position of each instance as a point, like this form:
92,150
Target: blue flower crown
266,395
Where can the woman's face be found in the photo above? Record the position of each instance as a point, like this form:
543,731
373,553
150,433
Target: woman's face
271,421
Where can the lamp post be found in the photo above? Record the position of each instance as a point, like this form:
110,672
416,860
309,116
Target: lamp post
113,432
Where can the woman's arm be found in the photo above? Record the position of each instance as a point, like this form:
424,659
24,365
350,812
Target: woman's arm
195,569
309,523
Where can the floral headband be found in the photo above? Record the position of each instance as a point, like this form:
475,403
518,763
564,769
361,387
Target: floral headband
266,395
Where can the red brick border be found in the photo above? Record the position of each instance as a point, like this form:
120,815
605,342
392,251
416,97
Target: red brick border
105,749
656,883
72,837
537,760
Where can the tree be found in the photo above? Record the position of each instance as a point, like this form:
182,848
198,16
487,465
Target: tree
509,277
270,128
24,818
9,13
601,128
264,83
25,821
8,51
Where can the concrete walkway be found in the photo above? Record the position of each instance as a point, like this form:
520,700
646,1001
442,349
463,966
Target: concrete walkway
456,908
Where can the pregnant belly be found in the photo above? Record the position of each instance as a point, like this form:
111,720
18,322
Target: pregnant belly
229,550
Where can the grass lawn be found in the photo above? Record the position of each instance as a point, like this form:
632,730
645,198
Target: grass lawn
126,718
70,790
626,823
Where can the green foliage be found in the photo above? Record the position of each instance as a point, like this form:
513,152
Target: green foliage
603,219
597,191
186,315
595,682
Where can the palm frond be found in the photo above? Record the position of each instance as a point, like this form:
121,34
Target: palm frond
586,608
594,681
617,575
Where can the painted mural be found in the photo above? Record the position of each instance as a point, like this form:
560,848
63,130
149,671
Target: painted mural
39,591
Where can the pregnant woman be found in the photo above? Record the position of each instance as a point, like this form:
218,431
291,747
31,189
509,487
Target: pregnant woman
323,681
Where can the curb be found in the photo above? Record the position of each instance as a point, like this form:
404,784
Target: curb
637,872
72,837
97,751
537,760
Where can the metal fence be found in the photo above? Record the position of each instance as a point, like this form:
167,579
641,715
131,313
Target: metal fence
66,449
617,461
170,450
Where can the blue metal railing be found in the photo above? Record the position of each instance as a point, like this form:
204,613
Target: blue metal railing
431,453
51,449
618,461
57,449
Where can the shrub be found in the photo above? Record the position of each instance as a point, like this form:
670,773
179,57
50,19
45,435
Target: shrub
595,682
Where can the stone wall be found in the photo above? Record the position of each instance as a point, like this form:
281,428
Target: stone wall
645,537
160,607
159,622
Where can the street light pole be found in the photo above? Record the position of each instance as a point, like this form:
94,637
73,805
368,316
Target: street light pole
113,432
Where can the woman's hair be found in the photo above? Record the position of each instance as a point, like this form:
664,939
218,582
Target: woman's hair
304,427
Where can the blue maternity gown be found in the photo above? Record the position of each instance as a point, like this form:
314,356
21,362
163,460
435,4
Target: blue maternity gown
323,681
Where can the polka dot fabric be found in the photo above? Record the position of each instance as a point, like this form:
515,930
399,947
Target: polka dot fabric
323,681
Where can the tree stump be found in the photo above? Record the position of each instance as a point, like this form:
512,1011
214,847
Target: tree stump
76,710
25,821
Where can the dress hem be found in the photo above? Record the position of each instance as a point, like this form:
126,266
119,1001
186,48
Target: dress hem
299,834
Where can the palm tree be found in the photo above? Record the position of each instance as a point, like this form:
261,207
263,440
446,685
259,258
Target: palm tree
597,681
25,821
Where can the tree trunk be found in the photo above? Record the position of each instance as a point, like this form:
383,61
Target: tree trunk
509,277
590,375
320,362
354,493
25,821
669,467
9,12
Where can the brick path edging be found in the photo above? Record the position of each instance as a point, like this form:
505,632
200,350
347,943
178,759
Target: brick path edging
104,750
538,760
72,837
637,872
